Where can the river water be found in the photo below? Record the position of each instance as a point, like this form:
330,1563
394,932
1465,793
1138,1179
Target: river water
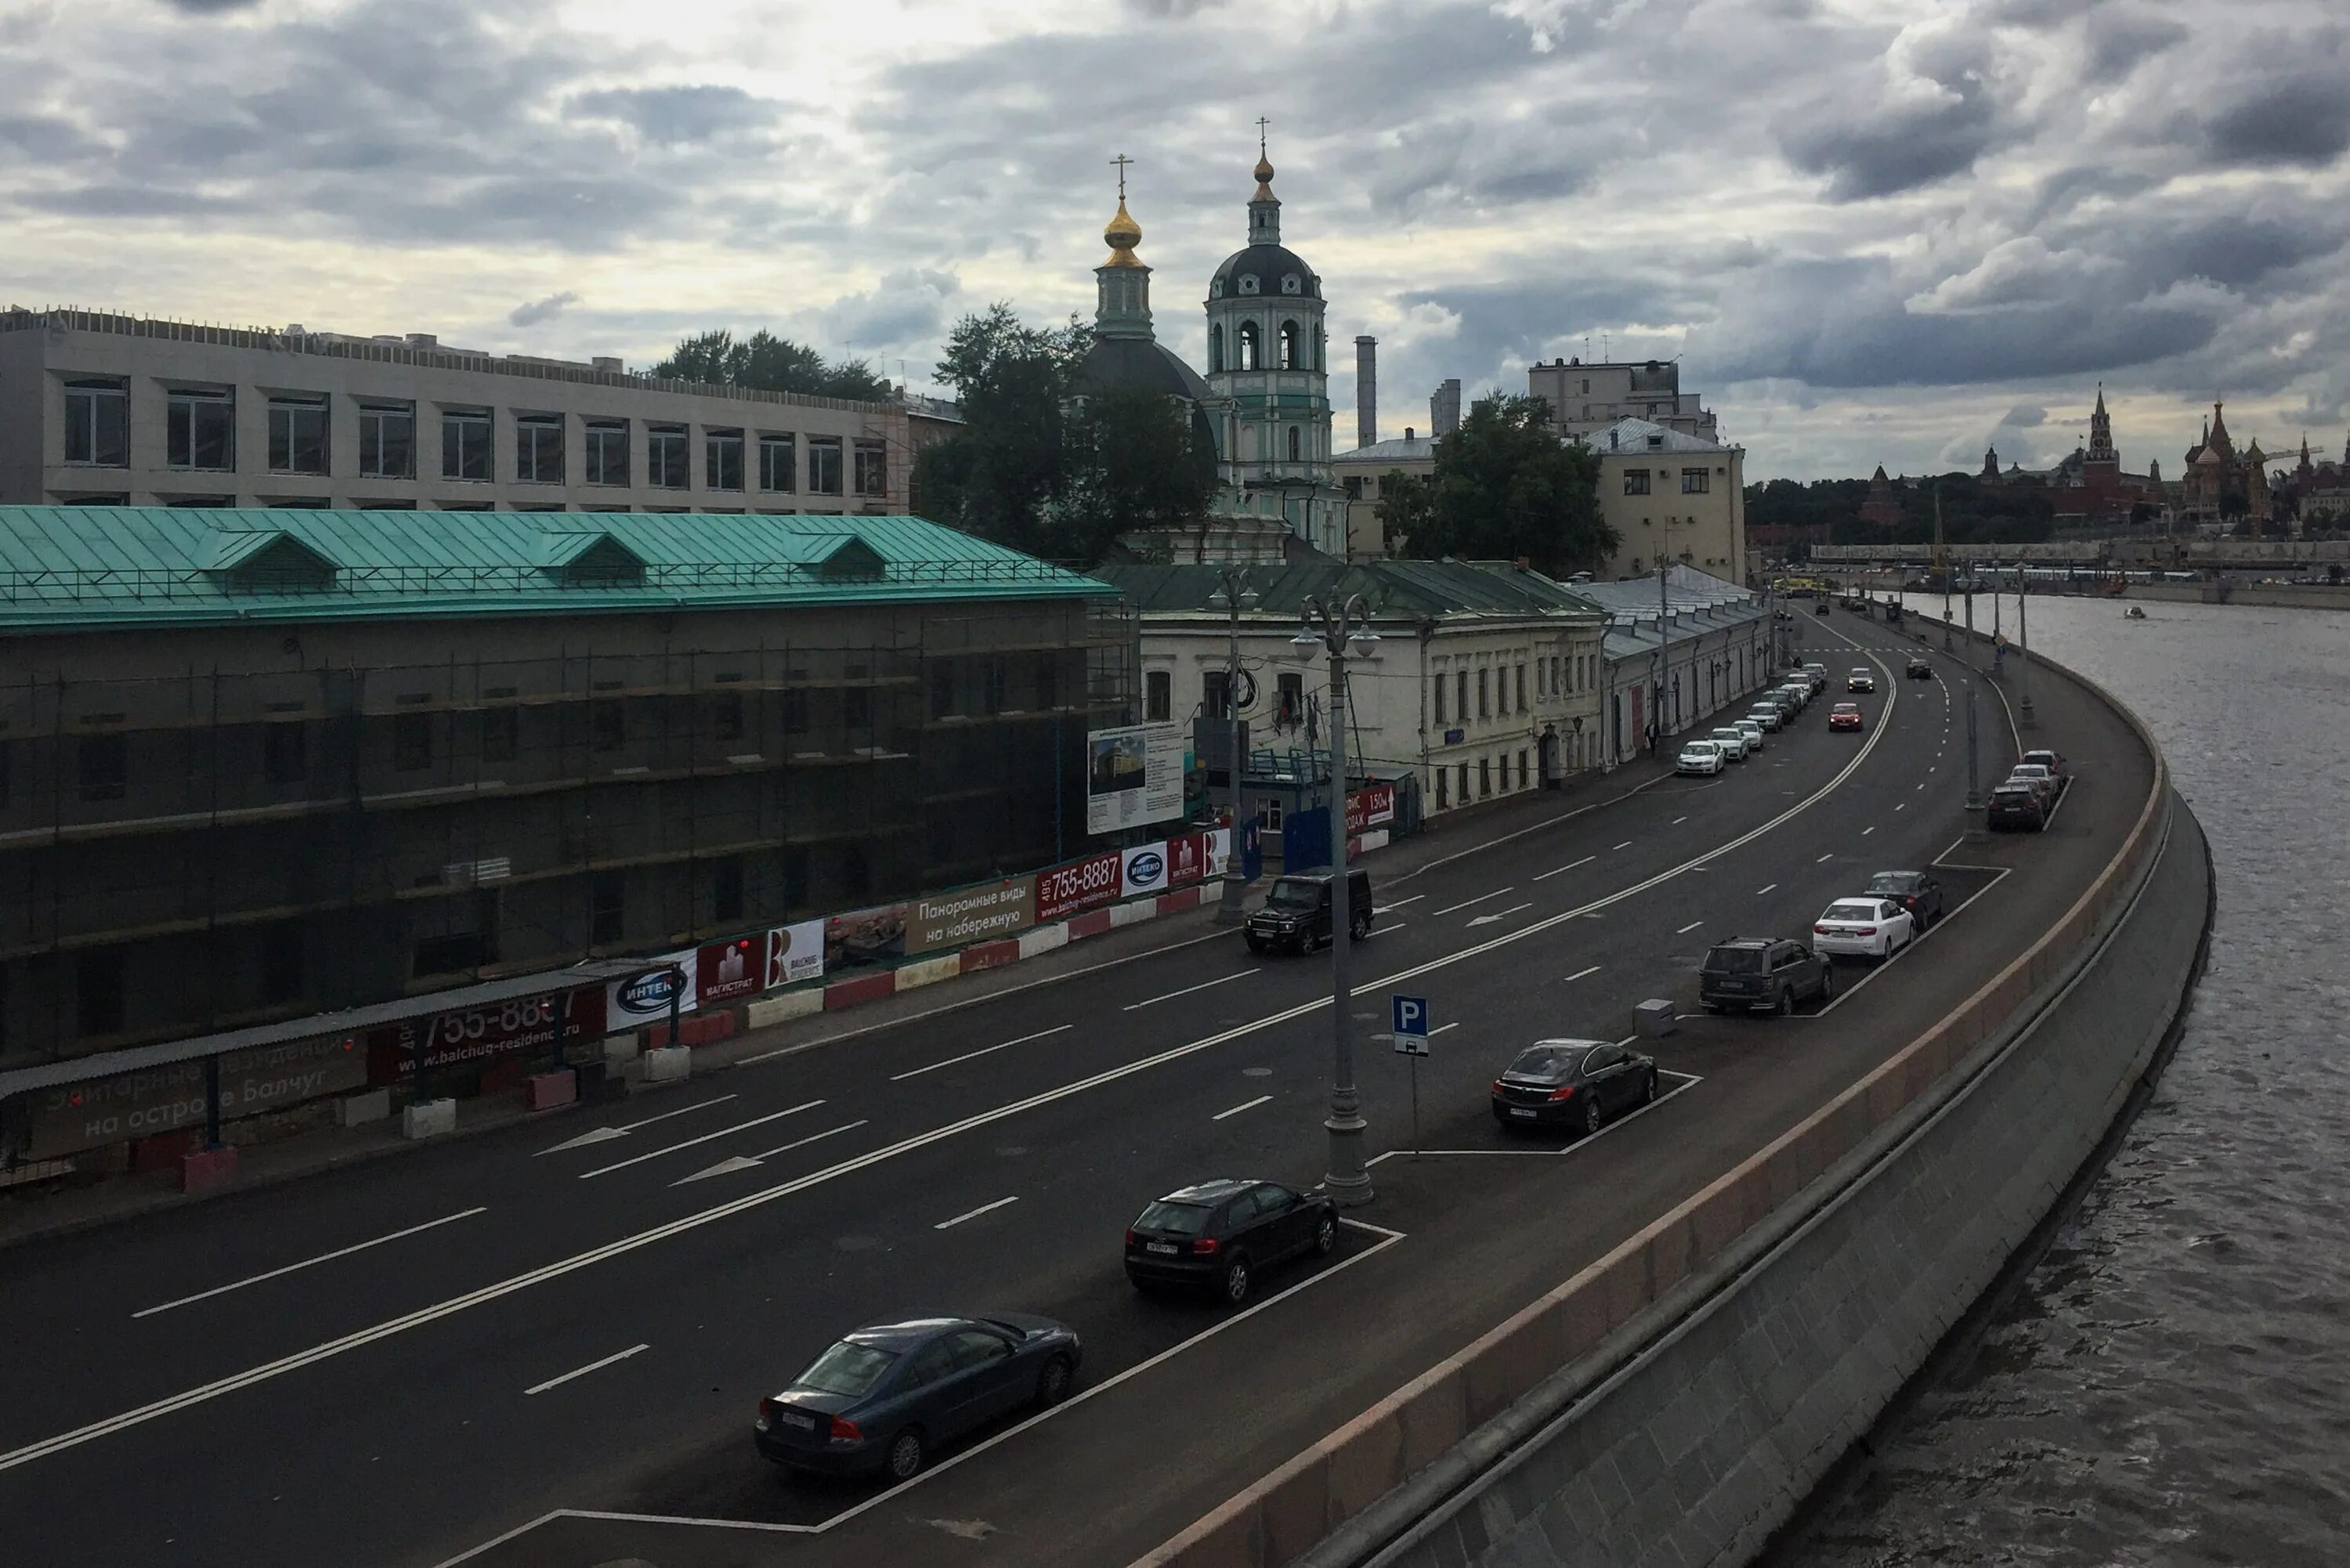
2172,1383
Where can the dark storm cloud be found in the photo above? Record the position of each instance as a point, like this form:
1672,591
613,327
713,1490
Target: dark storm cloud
1893,134
2302,121
674,116
46,137
2121,38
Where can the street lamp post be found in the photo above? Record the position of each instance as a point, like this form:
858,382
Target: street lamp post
2023,714
1337,626
1235,594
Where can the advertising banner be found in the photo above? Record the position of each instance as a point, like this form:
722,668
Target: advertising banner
728,971
863,938
1187,859
972,915
472,1035
75,1116
794,953
644,997
1143,869
1368,809
1133,776
1065,890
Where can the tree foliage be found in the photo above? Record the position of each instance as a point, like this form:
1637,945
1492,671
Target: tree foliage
767,363
1504,486
2014,512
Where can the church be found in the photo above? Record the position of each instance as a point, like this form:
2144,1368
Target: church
2221,484
1264,406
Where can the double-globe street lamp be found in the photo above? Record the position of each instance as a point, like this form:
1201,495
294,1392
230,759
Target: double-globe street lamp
1339,626
1233,594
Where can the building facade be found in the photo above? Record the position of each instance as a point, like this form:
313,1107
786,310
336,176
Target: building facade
1671,496
1588,398
122,410
256,764
2317,494
1364,475
1713,654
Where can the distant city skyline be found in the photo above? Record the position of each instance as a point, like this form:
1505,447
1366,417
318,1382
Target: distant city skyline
1872,231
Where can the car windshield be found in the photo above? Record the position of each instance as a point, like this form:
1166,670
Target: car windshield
1851,909
1848,707
1176,1218
1861,674
1548,1061
1294,893
1735,961
2041,759
1729,735
1700,749
2027,770
2012,792
1893,882
848,1369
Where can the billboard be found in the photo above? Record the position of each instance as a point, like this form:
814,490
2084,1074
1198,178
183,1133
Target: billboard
863,937
794,953
1143,869
644,997
472,1035
1368,809
1133,776
725,971
1080,884
972,915
71,1117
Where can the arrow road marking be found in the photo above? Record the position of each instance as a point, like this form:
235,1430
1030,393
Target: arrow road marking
605,1134
733,1163
705,1137
1506,914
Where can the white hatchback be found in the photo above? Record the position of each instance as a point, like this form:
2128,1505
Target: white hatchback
1863,928
1699,757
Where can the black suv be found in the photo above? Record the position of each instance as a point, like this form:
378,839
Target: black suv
1296,913
1748,973
1921,670
2018,805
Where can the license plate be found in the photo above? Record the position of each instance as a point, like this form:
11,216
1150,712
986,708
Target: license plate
804,1423
1168,1247
1520,1111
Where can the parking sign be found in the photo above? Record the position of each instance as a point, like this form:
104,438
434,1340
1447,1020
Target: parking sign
1410,1019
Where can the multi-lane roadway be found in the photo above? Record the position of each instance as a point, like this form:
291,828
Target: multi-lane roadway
546,1345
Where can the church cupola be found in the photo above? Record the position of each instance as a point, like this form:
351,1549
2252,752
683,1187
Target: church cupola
1122,299
1265,207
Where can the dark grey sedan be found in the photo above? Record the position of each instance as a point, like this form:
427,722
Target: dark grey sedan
1575,1083
886,1397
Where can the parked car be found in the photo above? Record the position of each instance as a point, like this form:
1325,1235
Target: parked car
1863,928
1296,913
1860,680
2055,764
1733,742
2039,778
1916,891
2017,805
1821,608
1577,1083
1768,715
1763,971
1699,757
1817,674
1919,670
1801,690
1845,716
886,1397
1752,729
1219,1235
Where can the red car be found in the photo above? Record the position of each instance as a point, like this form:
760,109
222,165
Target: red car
1845,716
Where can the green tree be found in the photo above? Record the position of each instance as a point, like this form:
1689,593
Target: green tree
1506,486
767,363
996,477
1134,462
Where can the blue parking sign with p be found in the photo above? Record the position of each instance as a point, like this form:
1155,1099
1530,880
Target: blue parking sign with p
1411,1015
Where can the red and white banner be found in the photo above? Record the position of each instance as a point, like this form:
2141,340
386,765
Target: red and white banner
726,970
1368,809
1080,884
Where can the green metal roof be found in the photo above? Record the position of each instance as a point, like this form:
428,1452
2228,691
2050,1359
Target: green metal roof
66,567
1408,589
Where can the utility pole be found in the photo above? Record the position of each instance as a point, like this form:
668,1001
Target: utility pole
2023,715
1664,616
1942,564
1235,594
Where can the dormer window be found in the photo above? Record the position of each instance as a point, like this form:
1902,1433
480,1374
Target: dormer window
1248,283
1215,288
1289,284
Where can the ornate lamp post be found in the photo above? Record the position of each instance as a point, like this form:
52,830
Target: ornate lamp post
1235,594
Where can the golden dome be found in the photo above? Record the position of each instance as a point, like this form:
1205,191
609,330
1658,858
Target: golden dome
1122,235
1263,173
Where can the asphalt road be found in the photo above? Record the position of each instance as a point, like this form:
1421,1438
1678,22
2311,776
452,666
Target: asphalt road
408,1361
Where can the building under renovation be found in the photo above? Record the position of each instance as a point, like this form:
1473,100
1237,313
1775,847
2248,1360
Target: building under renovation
256,764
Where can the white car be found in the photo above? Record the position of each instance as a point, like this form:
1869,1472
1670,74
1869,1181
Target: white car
1699,757
1766,714
1752,729
1732,741
1801,691
1863,928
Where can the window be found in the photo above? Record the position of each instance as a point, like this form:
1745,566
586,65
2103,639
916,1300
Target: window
1636,482
103,767
824,465
98,423
501,730
285,749
1289,698
1441,801
200,430
726,716
1693,481
942,688
606,907
297,435
1048,682
1440,700
388,441
1296,444
665,464
281,964
1485,777
607,451
722,459
992,684
1215,694
1158,696
1464,784
1354,487
778,463
1522,688
538,450
872,469
609,724
856,708
411,742
1216,348
1247,347
97,993
1522,769
1289,346
726,889
465,444
1484,703
796,712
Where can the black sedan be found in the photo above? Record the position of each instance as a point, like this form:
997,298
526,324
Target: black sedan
1921,670
1916,891
1574,1084
886,1397
1219,1235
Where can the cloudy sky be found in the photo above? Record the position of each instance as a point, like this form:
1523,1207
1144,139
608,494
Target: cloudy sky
1872,230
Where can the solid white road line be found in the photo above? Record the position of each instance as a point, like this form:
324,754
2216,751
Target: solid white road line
974,1055
1478,899
1688,1081
1568,867
1687,929
307,1262
1249,1105
1155,1001
605,1134
584,1371
1443,1027
1764,888
975,1213
1912,945
705,1137
1578,974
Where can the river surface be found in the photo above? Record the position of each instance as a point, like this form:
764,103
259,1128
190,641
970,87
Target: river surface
2171,1384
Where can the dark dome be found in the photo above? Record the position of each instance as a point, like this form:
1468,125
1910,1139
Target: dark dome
1114,363
1269,262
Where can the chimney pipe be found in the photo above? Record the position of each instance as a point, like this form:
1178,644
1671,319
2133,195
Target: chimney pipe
1367,392
1444,409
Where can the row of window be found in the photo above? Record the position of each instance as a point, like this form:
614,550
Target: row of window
1448,794
1551,675
1248,348
199,433
1694,480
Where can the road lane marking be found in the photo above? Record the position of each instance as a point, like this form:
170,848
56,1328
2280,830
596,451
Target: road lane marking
1764,888
1155,1001
1443,1027
1688,1081
705,1137
1400,903
1901,805
307,1262
498,1290
1626,844
975,1213
1825,858
605,1134
1676,822
1391,926
1866,831
1500,915
1687,929
1478,899
1249,1105
1910,945
1578,974
584,1371
974,1055
751,1161
1569,867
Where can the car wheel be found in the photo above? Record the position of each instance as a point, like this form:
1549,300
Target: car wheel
1787,1000
1142,1287
1362,927
1325,1235
1053,1383
905,1461
1827,981
1236,1281
1649,1088
1590,1115
1255,946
